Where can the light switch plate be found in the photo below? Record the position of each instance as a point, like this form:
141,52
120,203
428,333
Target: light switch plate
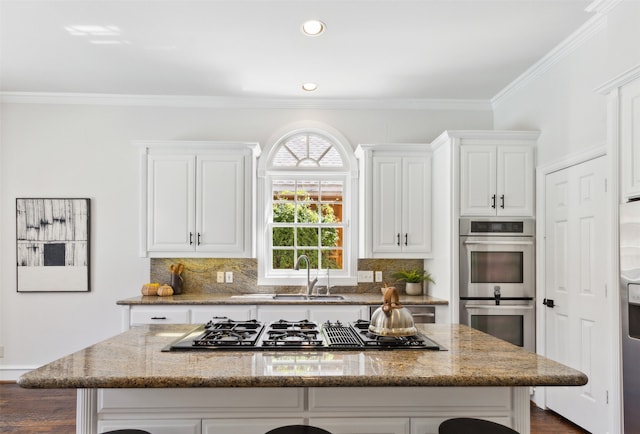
365,276
220,277
228,277
378,276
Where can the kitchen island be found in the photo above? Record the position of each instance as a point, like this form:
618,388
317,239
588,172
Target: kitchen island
128,381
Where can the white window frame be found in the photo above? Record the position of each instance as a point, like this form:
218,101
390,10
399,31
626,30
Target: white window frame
348,174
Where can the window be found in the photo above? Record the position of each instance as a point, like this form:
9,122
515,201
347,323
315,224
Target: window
308,191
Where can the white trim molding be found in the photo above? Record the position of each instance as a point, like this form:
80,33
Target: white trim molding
214,102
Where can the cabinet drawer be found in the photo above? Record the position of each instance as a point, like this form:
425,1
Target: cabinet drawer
202,315
159,316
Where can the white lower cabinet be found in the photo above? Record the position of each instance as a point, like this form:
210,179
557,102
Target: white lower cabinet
339,410
159,315
363,425
429,425
189,426
183,314
203,314
343,313
246,426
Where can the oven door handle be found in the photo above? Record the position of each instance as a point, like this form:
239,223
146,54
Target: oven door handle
501,307
497,242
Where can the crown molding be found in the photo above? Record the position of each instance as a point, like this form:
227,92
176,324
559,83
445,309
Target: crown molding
593,26
241,103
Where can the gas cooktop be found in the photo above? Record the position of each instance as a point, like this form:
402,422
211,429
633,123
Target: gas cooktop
226,334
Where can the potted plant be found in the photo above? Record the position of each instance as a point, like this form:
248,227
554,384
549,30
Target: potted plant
414,280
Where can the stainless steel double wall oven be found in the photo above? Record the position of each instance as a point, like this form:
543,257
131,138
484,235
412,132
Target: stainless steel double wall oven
497,277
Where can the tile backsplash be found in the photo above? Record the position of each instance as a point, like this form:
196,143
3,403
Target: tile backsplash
200,275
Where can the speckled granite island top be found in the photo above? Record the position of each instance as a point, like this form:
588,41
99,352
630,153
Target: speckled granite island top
208,299
134,359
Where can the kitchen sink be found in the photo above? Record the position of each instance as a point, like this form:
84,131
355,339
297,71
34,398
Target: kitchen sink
303,297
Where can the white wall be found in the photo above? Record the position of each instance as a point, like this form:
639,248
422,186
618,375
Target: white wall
84,151
561,101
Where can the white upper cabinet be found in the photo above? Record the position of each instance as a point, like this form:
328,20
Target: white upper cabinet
497,180
630,139
395,199
196,199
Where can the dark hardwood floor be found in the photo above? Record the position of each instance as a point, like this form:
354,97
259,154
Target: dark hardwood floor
54,411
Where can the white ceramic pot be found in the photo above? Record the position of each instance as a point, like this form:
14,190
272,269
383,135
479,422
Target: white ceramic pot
413,288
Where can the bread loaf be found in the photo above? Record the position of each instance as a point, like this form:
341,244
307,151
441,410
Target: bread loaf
165,290
150,288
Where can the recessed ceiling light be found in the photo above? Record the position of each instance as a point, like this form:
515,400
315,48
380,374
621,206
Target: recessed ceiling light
309,87
313,27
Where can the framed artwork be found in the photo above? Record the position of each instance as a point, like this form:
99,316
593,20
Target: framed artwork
52,237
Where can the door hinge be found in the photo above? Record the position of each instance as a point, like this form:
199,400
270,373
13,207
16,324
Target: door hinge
605,185
607,396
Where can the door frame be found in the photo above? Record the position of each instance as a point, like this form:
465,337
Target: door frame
613,312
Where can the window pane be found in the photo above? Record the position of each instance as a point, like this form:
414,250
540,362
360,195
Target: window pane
308,191
331,213
331,159
283,189
283,213
307,213
307,237
332,191
313,257
282,259
332,259
331,237
282,237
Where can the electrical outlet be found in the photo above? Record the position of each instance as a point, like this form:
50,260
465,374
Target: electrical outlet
228,277
378,276
365,276
220,277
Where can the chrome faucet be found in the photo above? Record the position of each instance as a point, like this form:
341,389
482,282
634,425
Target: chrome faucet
497,294
310,283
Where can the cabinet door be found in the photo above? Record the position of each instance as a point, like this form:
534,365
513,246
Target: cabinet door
246,426
220,215
630,139
170,203
358,425
478,180
416,205
515,179
387,204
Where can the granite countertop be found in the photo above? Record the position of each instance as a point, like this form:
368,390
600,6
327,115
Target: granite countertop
134,359
205,299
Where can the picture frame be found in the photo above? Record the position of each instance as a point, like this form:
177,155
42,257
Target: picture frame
53,240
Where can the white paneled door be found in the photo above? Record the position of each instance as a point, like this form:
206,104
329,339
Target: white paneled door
575,279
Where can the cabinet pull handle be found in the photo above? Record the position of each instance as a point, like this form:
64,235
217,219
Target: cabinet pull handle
493,201
158,317
198,238
502,201
406,239
398,238
191,238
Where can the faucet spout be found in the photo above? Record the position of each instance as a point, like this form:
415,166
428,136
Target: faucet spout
310,283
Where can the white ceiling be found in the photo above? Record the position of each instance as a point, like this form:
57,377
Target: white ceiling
371,50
